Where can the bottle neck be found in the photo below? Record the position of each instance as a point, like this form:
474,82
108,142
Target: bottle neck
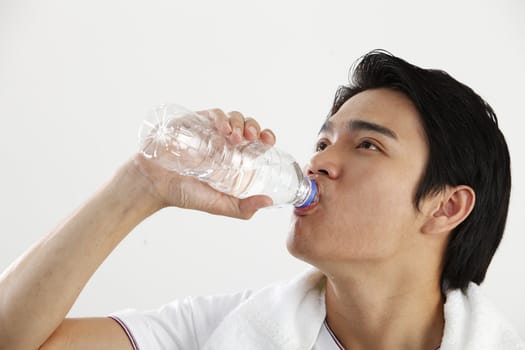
307,193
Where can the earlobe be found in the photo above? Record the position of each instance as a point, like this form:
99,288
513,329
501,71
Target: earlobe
453,207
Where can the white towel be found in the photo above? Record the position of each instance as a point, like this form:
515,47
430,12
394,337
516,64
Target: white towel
472,322
286,316
289,316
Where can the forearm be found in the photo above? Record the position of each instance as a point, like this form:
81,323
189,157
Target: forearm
38,290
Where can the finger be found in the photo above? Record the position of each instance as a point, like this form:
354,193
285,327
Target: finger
251,129
220,120
267,136
237,125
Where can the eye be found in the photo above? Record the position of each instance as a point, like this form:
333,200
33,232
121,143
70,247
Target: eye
368,145
320,145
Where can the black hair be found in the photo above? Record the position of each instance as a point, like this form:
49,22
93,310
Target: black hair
466,147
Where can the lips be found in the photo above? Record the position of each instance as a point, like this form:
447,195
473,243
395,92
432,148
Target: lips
306,210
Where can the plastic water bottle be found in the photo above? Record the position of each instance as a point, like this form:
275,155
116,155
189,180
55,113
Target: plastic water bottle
188,143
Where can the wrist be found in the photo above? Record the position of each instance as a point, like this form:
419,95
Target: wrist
131,187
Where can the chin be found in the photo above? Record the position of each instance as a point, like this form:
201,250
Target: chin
302,246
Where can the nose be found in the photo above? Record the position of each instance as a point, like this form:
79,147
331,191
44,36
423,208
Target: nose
325,163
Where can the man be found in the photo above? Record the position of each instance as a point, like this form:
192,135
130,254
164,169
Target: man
414,181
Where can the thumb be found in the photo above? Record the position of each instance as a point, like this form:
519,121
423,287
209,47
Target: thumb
248,206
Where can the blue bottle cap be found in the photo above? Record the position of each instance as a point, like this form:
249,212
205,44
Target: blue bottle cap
312,195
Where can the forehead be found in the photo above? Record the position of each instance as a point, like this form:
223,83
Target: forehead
385,107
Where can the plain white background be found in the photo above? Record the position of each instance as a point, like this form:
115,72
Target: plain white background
76,79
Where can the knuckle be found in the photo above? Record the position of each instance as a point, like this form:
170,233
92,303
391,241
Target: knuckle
246,216
216,111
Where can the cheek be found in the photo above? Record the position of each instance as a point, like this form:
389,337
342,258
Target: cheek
388,190
387,205
374,220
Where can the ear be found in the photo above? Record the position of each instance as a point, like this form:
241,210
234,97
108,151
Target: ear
450,208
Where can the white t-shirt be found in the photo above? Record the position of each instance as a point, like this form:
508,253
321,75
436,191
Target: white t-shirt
290,316
188,323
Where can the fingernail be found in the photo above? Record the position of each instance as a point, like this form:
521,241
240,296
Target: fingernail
252,131
268,136
238,131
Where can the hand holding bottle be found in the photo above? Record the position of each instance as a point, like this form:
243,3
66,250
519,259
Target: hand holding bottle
48,278
172,189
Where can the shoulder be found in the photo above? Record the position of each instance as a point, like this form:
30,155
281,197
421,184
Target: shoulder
186,322
213,308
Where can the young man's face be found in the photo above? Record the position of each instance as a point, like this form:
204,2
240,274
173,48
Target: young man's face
370,157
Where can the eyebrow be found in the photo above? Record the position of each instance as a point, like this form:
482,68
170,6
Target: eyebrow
356,125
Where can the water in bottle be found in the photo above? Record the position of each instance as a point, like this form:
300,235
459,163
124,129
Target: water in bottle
188,143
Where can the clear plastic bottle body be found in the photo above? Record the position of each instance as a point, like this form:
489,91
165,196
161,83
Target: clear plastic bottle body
188,143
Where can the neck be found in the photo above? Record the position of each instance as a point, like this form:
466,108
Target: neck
383,311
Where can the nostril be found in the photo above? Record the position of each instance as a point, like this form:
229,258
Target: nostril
322,171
